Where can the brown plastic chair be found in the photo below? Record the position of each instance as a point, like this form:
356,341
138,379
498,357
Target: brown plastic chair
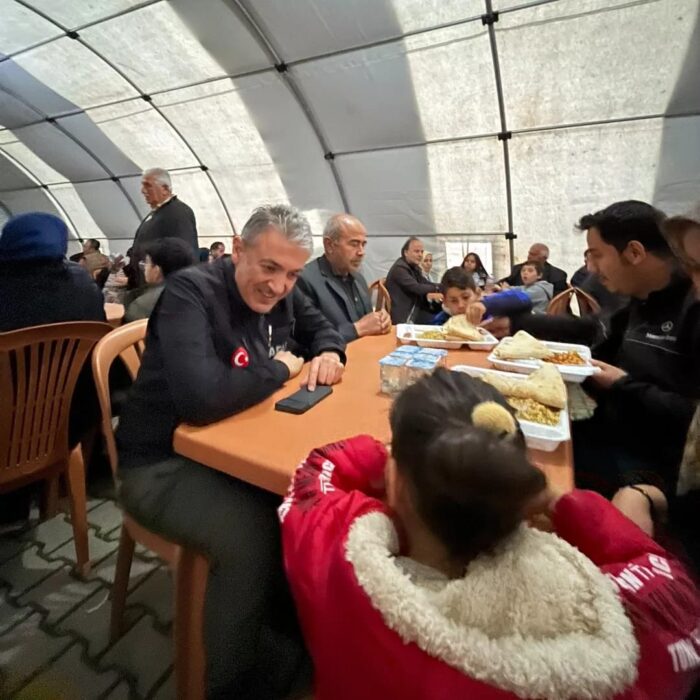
561,304
39,369
190,568
383,300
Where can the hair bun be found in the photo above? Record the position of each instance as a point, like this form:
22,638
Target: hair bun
494,417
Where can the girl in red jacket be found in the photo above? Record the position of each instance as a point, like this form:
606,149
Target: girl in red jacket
429,585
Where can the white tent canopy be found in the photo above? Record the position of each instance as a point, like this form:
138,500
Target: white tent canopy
457,120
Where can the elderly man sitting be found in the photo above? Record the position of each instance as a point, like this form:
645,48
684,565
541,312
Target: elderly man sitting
334,284
539,253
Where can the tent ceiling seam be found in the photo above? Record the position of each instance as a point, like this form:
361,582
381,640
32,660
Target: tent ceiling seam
80,145
54,200
66,31
145,96
427,142
254,26
379,149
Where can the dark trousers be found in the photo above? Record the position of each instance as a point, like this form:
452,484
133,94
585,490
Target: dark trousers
253,646
603,463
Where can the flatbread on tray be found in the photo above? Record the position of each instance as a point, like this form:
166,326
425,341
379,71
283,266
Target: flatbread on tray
459,328
544,385
522,346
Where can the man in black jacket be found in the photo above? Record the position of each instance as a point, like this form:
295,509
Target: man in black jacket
413,298
222,338
649,358
335,286
539,253
168,218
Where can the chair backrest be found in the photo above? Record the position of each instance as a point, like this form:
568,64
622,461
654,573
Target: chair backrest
560,305
128,343
379,295
39,368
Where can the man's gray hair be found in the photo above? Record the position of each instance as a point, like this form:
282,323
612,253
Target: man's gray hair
335,225
160,175
288,220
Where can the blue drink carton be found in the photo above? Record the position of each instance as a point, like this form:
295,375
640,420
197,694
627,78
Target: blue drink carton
417,368
392,372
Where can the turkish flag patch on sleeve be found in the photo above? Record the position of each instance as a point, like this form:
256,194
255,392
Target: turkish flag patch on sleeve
240,358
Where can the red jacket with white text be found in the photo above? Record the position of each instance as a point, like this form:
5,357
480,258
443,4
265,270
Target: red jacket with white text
599,611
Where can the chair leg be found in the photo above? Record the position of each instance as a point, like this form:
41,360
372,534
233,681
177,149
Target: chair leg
49,498
78,509
190,659
120,587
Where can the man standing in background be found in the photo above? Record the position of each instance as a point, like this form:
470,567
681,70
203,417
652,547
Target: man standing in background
168,218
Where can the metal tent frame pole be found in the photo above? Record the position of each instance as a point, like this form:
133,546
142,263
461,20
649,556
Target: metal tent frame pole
73,34
256,30
489,19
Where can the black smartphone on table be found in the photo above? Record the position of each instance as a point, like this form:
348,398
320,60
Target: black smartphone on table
302,400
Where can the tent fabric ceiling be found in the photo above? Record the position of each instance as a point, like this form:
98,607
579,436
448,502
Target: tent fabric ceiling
388,107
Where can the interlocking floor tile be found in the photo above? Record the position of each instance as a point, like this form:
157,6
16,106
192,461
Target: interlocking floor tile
156,595
70,678
90,622
98,549
59,594
105,518
24,649
50,534
10,614
144,652
26,570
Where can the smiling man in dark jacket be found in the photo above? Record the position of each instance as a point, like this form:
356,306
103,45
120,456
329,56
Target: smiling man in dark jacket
221,338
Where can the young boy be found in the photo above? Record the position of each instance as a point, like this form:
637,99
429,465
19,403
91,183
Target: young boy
540,291
462,297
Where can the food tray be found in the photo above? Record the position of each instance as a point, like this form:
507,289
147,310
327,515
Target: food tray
574,374
407,332
537,436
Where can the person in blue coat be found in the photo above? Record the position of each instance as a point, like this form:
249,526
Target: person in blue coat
461,296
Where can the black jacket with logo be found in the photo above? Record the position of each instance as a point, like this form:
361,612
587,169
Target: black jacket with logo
657,342
201,335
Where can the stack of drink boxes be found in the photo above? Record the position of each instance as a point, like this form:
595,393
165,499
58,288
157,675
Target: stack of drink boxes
406,365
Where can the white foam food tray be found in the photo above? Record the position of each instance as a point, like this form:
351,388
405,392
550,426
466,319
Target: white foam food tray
537,436
409,332
574,374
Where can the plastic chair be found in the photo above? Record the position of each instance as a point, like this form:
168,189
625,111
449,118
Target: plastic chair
39,369
190,568
561,304
383,300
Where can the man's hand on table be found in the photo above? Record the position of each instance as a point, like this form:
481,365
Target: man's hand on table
325,369
608,375
294,363
374,323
